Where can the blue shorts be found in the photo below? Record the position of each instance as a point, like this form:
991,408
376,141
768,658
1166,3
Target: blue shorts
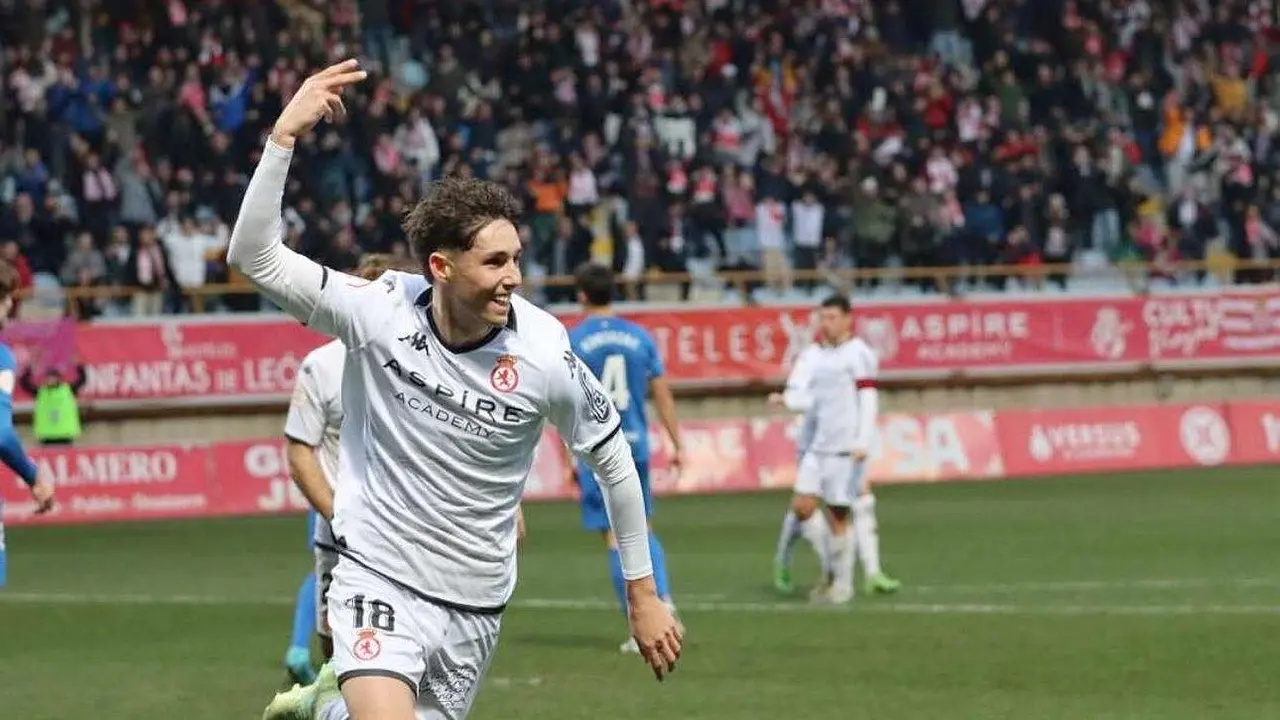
594,515
312,518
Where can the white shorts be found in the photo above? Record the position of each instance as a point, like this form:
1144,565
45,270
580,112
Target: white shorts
381,629
837,479
326,560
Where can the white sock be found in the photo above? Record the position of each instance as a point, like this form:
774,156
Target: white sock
335,709
787,538
815,530
868,542
842,558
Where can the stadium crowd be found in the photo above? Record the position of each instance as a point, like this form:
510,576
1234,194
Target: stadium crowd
667,135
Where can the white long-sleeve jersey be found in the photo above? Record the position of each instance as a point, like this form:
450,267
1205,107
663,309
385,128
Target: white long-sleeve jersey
315,410
835,390
437,440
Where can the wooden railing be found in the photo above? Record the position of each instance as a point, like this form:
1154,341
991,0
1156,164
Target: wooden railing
948,280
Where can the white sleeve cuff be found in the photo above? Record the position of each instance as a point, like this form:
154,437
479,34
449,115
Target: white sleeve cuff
624,502
256,247
868,416
797,401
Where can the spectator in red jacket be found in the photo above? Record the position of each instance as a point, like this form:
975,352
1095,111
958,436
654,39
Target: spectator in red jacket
12,254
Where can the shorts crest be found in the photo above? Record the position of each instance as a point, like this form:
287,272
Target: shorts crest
367,647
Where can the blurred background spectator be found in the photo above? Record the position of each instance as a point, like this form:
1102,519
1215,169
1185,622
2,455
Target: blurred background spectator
660,135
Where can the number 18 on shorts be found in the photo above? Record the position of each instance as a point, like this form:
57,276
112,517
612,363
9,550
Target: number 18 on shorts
381,629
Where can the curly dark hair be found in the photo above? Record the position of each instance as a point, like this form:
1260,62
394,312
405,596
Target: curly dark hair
453,212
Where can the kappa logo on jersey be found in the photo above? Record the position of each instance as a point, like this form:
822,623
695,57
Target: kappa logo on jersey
367,647
505,377
417,341
600,406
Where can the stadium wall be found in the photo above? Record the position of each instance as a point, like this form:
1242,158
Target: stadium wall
202,479
216,423
226,377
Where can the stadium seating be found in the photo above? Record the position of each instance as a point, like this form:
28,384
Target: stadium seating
902,120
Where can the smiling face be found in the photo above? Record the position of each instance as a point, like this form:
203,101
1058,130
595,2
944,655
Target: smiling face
464,233
481,279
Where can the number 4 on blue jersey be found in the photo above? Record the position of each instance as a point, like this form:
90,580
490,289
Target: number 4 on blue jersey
624,356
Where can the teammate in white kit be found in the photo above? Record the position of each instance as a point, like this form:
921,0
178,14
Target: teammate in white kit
812,526
446,390
834,384
311,444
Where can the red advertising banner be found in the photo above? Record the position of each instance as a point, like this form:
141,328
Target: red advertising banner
117,483
41,346
209,361
228,359
758,343
1213,328
1043,442
1255,430
736,455
259,478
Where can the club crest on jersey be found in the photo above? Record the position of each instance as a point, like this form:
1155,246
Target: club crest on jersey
367,646
504,377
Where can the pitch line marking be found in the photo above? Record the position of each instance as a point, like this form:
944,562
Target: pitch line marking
747,607
908,608
1098,585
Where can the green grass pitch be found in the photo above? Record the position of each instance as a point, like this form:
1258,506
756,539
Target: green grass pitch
1137,596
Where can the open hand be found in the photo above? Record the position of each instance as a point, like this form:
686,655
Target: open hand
655,629
320,96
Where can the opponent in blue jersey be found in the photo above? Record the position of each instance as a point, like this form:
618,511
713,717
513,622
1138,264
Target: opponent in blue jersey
11,451
625,358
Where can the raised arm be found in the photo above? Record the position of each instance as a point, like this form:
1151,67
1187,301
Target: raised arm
257,249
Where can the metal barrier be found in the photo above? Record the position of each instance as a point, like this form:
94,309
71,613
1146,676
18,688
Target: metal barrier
1134,276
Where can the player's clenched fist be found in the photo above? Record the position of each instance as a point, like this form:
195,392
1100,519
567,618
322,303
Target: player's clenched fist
657,632
320,96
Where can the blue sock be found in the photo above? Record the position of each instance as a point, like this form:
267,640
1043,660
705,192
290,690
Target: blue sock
2,559
619,585
659,557
304,614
